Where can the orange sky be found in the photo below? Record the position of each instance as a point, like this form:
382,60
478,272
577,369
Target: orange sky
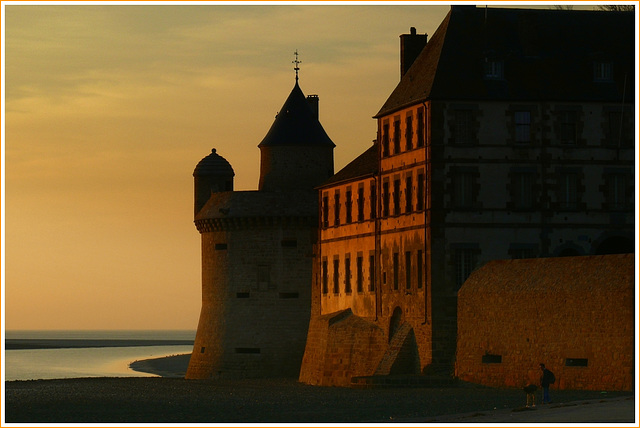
108,108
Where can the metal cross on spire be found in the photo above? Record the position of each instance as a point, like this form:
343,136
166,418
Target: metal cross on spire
296,62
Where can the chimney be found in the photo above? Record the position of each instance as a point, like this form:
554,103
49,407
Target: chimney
313,102
410,47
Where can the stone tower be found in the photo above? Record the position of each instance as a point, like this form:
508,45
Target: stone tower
296,153
257,250
212,174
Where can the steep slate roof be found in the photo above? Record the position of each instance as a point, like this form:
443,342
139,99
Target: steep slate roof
584,274
364,165
547,55
296,124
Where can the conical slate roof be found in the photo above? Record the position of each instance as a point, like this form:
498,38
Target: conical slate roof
213,164
296,124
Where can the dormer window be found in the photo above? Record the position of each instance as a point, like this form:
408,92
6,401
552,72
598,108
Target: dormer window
602,71
493,69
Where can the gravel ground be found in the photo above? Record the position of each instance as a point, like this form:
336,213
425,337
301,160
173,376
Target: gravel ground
171,400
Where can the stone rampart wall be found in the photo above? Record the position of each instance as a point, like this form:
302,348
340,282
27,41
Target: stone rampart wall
584,336
341,346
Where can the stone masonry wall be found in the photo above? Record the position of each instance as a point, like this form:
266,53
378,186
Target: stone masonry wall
584,334
256,302
341,346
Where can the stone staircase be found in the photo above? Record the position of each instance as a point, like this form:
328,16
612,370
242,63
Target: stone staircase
401,355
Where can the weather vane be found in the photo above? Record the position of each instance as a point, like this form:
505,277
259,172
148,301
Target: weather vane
296,62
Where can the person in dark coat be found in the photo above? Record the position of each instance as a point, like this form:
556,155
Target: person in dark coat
546,379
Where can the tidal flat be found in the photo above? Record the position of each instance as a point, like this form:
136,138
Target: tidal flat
176,400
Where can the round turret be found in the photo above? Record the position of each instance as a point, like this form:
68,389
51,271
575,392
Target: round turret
212,174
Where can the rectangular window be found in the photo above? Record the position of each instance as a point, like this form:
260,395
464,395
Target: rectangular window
372,201
408,134
420,269
602,71
407,269
493,69
465,262
325,277
568,191
463,190
421,127
385,199
614,128
289,295
348,206
616,191
576,362
336,209
360,203
347,275
491,359
247,350
420,196
568,128
396,196
385,140
263,277
396,270
396,136
360,274
522,121
336,276
325,211
219,247
372,273
522,191
522,253
408,195
289,243
462,131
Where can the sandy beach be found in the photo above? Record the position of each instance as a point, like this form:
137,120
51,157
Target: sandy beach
172,399
173,366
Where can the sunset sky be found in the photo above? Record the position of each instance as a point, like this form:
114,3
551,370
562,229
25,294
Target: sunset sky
108,108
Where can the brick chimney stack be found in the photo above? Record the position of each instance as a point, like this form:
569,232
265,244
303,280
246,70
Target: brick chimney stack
314,101
410,47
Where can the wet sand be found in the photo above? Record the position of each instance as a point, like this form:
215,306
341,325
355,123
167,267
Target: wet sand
176,400
171,366
172,399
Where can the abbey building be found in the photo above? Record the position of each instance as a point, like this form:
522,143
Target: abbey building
510,136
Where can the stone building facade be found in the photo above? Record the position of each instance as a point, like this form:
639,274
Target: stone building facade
509,136
257,249
574,314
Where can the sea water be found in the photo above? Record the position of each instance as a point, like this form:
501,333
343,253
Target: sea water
59,363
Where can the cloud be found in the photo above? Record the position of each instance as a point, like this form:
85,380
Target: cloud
109,108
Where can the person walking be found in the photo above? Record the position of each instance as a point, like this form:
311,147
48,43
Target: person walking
546,379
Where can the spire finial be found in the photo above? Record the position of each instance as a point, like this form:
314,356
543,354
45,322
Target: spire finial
296,62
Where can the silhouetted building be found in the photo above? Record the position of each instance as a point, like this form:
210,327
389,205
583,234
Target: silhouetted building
257,250
510,135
